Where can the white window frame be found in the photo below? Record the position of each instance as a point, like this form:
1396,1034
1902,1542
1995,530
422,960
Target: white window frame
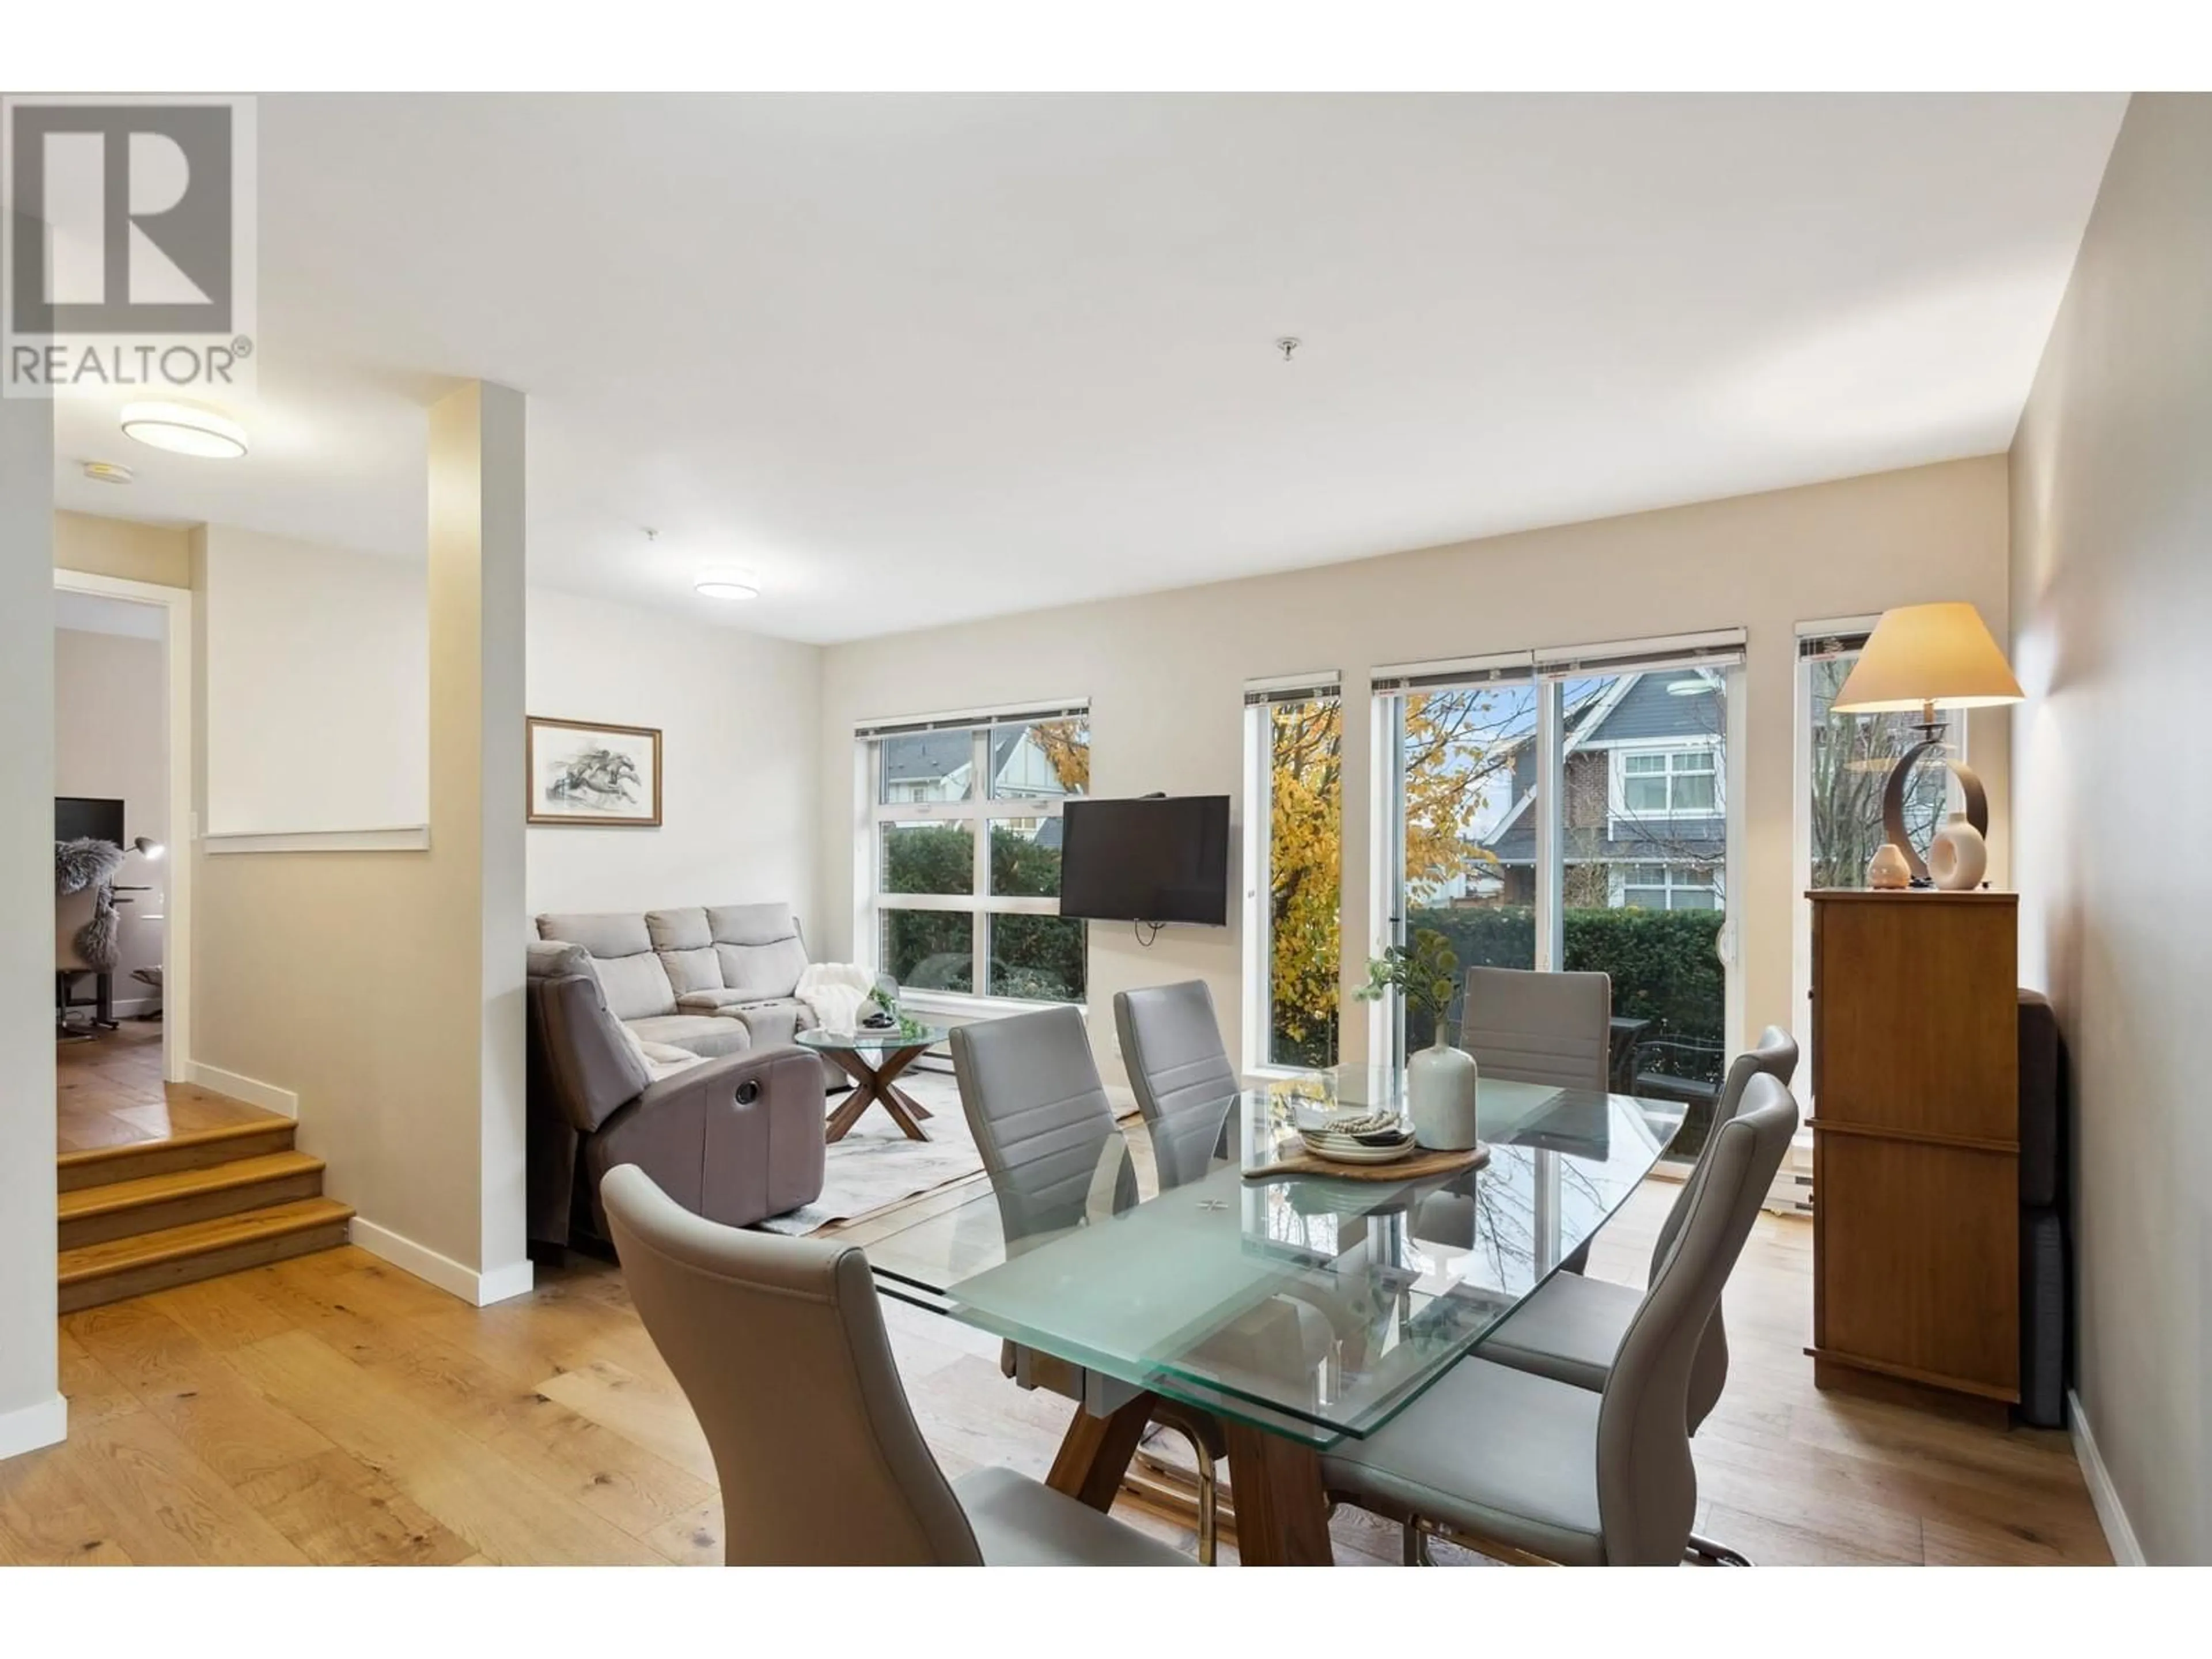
978,812
1261,696
1617,807
1675,877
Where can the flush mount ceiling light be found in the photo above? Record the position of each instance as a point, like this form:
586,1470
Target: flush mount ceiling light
186,430
113,472
728,585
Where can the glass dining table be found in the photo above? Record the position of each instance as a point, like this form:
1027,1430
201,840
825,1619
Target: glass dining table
1297,1310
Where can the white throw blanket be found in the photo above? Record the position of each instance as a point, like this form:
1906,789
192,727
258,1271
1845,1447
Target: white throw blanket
835,992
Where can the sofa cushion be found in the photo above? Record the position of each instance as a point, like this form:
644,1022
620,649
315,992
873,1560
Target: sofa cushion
637,987
686,948
633,977
703,1034
759,946
556,959
661,1060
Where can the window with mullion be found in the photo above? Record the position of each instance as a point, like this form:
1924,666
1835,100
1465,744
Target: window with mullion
966,862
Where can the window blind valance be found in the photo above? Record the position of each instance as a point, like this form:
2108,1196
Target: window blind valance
1455,674
1721,648
970,719
1293,688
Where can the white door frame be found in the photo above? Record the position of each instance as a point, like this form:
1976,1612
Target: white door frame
176,604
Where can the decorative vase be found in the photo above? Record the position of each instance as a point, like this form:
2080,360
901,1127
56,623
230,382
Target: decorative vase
1440,1090
1958,857
1887,868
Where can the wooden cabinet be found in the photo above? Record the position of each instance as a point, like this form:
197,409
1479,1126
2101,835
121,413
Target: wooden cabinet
1916,1141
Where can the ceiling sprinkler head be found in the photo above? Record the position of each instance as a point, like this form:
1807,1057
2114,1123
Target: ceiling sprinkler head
1287,344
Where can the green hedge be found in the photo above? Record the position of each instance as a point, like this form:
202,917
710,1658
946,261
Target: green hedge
1663,963
1039,958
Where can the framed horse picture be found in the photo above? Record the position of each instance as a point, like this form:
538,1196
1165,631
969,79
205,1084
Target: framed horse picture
581,772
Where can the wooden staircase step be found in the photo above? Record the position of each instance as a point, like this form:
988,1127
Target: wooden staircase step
198,1149
117,1209
108,1272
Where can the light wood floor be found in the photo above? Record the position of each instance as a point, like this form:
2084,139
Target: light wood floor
109,1092
333,1409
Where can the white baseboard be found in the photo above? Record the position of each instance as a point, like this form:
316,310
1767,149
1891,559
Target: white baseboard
30,1427
2110,1516
254,1092
477,1290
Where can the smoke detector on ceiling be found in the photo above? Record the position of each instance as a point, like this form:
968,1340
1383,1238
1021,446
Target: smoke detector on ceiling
113,472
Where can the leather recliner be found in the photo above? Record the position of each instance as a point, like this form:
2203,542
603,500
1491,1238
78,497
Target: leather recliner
736,1138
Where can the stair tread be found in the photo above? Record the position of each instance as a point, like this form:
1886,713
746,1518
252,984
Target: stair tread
248,1130
199,1237
185,1183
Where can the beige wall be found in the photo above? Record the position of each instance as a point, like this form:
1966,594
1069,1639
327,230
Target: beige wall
1165,672
31,1409
385,989
120,547
2112,592
111,741
739,722
318,687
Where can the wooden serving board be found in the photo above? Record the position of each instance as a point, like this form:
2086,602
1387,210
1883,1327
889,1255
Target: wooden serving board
1414,1166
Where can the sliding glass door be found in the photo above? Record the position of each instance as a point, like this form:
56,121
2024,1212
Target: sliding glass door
1572,809
1294,863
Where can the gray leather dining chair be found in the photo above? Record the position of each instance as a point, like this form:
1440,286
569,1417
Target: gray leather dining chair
1572,1327
779,1345
1171,1044
1040,1116
1531,1027
1507,1461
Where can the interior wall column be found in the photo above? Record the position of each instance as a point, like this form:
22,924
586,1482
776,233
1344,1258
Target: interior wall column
31,1411
477,844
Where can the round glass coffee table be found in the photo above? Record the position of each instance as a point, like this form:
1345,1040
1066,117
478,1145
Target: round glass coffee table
872,1060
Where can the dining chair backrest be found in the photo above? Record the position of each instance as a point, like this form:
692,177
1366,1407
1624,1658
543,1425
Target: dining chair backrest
1647,1484
1529,1027
1040,1118
1775,1056
1171,1043
779,1345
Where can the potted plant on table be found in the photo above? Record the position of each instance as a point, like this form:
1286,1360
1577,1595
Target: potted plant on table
1440,1079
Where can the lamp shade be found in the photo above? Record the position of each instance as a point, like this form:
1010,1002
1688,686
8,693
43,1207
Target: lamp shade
1923,654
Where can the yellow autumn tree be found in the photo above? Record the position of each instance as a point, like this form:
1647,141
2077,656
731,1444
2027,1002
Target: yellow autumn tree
1459,748
1066,746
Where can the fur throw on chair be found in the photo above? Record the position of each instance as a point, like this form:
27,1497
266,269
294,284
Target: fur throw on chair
86,863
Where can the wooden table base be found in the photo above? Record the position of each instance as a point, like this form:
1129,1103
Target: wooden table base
1282,1513
872,1084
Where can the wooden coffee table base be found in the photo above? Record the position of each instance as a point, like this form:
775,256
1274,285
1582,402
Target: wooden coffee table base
872,1083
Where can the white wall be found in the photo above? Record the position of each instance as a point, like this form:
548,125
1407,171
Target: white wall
32,1413
2112,509
318,687
1165,671
112,742
739,721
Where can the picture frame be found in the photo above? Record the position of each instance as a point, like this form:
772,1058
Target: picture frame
589,774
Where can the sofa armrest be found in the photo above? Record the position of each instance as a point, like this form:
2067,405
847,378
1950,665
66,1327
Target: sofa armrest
735,1139
708,1002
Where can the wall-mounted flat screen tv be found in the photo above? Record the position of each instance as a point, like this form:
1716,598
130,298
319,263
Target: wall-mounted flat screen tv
1163,859
83,818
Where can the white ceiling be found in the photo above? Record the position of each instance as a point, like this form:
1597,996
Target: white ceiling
913,359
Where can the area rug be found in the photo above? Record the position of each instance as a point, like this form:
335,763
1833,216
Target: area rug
875,1164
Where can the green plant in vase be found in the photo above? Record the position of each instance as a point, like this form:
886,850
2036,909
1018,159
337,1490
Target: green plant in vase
1440,1079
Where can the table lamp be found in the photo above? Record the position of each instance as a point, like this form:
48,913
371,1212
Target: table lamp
1922,658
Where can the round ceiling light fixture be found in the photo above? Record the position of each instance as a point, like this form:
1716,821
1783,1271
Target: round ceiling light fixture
728,585
185,429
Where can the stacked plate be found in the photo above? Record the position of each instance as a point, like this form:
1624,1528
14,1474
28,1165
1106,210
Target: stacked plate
1371,1137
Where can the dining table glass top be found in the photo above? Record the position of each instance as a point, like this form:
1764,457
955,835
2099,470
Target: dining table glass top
1313,1307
